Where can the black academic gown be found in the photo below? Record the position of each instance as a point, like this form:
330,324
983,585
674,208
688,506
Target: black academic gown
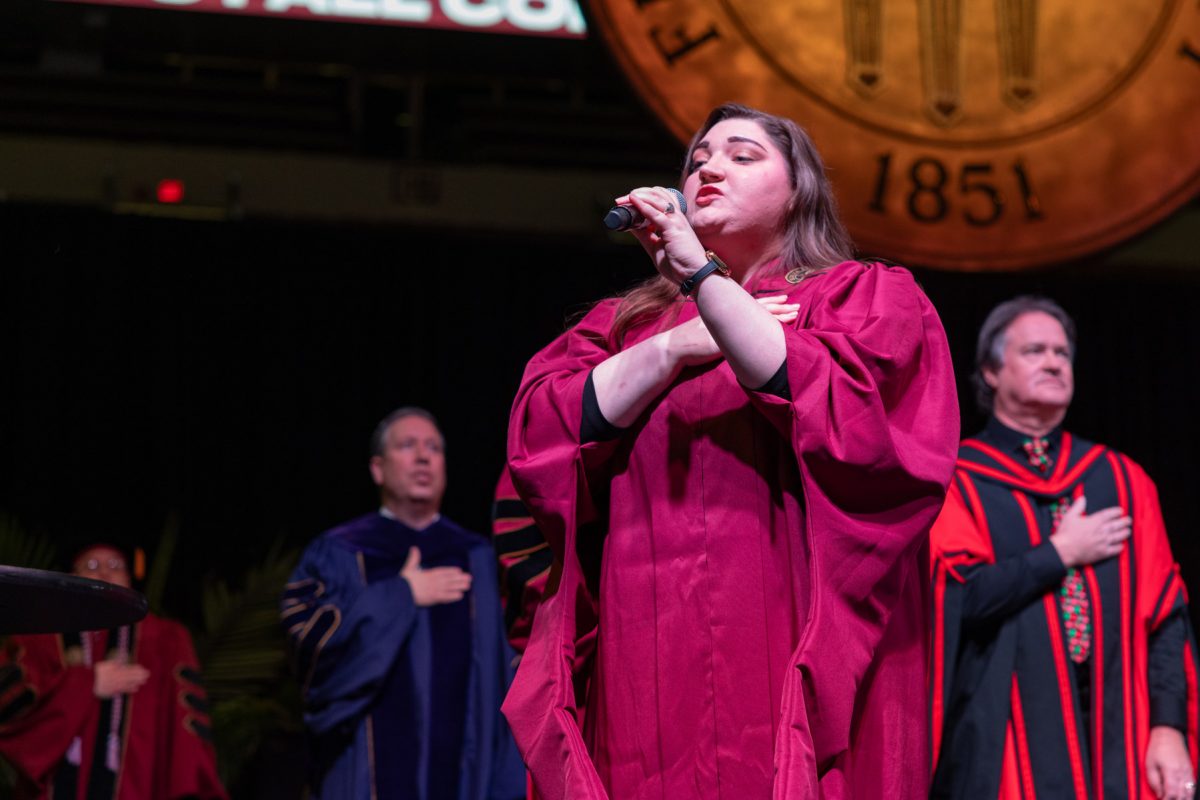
1013,716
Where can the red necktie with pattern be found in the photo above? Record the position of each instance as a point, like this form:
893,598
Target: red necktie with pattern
1076,611
1037,449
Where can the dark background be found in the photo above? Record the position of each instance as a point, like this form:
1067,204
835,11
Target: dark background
230,372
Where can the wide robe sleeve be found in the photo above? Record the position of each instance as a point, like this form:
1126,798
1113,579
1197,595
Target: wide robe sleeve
551,469
44,704
547,417
1169,679
344,635
968,593
874,424
958,542
193,770
168,747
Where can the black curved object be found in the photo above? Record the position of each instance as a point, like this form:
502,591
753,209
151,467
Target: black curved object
38,601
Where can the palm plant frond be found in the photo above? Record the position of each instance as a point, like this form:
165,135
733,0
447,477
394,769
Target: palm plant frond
243,648
164,554
20,548
243,652
242,724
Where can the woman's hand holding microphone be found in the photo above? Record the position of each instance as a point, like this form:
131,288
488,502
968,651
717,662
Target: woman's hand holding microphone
668,238
677,253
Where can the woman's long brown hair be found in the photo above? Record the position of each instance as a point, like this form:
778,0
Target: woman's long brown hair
814,235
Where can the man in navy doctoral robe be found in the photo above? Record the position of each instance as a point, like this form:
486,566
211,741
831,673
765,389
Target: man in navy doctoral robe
398,639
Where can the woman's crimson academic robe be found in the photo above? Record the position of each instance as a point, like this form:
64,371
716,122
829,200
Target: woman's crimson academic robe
738,606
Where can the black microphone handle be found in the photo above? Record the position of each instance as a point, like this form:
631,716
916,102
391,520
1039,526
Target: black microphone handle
624,218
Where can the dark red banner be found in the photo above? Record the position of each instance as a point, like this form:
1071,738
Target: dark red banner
558,18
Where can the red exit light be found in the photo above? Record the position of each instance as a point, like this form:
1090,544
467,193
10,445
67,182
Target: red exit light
170,190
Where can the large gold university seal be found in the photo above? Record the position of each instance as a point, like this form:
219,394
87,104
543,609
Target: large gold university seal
971,134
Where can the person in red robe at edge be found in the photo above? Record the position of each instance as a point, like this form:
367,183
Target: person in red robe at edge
525,559
107,714
524,562
736,464
1064,664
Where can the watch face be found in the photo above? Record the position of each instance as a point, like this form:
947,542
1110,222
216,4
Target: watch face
716,259
957,133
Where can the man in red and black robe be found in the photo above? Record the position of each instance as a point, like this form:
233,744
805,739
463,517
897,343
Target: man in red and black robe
1064,664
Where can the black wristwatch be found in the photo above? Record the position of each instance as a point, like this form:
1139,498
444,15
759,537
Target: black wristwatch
715,264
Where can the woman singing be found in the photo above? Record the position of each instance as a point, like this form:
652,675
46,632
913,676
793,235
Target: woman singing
737,464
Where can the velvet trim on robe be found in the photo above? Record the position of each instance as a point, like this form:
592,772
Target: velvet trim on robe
46,702
525,558
1004,700
764,560
349,628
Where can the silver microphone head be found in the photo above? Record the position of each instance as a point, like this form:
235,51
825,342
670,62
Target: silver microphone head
678,198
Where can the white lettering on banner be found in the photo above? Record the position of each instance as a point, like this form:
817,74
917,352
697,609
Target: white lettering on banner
354,8
407,10
536,15
315,6
562,17
473,15
575,21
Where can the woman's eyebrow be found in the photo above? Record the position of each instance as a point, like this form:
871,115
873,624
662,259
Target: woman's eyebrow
731,140
744,139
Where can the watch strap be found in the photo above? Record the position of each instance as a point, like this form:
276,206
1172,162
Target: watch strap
689,284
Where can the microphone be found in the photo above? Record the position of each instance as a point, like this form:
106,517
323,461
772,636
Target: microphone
624,218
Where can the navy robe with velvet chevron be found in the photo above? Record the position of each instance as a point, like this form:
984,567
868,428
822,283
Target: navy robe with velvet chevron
1014,717
401,701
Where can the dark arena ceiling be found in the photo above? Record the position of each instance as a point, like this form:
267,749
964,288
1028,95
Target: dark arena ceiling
319,86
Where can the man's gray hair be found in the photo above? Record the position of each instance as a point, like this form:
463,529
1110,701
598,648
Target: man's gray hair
989,350
379,437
